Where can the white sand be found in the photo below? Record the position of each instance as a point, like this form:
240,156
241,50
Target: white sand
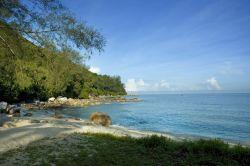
22,132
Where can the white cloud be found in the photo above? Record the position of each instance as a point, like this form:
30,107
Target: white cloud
96,70
141,85
134,85
213,84
163,84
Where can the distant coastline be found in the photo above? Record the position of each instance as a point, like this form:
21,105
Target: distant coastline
136,93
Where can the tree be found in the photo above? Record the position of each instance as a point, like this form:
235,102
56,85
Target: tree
40,43
48,22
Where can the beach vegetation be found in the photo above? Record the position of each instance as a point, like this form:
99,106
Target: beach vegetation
103,149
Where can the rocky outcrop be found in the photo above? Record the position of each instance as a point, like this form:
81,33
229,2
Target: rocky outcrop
100,118
9,109
60,102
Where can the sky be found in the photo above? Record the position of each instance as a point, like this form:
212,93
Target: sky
171,45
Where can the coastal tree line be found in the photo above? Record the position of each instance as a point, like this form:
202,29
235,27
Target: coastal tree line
42,53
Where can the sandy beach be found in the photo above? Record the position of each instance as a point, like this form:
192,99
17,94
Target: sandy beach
22,131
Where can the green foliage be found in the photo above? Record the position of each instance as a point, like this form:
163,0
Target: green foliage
153,141
40,45
84,94
33,72
48,24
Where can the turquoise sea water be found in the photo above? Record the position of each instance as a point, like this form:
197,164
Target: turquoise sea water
225,116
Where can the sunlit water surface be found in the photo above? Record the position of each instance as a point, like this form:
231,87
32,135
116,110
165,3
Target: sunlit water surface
225,116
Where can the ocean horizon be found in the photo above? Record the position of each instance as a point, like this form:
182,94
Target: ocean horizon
187,92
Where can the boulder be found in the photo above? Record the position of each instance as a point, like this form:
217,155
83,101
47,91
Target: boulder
52,99
3,106
100,118
12,109
61,99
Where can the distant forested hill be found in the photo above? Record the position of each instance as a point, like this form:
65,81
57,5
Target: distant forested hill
28,72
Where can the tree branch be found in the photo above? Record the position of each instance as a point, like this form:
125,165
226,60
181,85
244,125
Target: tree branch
8,46
21,30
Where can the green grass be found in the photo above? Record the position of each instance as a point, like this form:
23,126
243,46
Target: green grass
99,149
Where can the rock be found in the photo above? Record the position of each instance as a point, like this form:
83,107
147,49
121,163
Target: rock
34,121
100,118
52,99
71,101
60,98
27,114
12,109
3,106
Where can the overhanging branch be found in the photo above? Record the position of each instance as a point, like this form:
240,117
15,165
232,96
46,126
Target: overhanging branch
7,45
24,31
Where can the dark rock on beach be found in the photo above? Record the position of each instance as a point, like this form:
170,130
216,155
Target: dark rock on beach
13,109
100,118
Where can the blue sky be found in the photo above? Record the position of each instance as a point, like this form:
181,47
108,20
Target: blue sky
163,45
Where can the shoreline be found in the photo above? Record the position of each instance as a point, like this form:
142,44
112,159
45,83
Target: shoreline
22,131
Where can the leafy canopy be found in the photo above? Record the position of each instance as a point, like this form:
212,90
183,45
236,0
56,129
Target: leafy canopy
49,23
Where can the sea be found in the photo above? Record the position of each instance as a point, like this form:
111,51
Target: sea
214,115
